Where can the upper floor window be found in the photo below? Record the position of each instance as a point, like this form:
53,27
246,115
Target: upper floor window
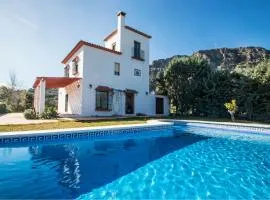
75,66
114,46
137,52
137,72
66,71
117,69
137,49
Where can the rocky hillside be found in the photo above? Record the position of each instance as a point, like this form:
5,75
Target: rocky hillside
223,58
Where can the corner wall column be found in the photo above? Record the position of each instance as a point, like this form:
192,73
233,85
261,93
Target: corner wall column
42,90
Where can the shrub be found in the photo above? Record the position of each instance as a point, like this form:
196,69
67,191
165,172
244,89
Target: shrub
49,113
3,108
232,108
140,114
30,114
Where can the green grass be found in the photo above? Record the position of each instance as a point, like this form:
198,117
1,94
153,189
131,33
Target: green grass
71,124
102,122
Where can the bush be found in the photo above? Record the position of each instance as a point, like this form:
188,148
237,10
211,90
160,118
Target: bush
49,113
140,114
3,108
30,114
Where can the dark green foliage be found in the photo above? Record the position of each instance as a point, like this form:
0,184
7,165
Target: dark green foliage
3,108
197,89
18,100
13,98
29,99
140,114
51,97
49,113
30,114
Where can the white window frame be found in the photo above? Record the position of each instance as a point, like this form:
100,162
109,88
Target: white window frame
117,69
137,72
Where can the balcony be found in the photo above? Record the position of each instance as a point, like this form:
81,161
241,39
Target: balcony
138,55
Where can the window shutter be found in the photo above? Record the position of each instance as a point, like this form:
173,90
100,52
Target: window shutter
110,100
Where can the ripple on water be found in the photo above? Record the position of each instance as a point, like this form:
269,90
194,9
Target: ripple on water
212,168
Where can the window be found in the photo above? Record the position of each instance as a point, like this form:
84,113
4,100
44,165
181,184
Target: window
66,71
75,66
102,100
117,69
137,72
137,49
114,46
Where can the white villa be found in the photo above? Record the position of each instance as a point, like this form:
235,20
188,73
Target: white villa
105,80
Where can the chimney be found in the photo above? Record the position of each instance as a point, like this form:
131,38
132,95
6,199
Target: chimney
120,29
121,19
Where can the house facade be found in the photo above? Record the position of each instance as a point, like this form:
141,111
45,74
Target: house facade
106,80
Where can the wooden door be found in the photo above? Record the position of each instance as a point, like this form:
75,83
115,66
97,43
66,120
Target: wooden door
159,106
129,103
66,103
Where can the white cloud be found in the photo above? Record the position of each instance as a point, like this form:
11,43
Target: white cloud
26,22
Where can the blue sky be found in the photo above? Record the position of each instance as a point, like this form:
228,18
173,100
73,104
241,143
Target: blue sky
36,35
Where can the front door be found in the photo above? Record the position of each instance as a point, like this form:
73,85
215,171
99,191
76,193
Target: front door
159,106
66,102
129,103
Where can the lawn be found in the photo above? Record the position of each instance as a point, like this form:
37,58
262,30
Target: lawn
103,122
72,124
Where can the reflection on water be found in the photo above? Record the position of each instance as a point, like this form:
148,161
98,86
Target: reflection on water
68,170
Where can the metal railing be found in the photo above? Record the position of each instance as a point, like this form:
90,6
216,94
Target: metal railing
141,55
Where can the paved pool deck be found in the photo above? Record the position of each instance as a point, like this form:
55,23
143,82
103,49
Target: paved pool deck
18,118
251,124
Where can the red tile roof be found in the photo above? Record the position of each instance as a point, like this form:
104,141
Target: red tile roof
129,28
55,82
82,43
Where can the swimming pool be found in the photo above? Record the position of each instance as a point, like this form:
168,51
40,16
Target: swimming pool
189,162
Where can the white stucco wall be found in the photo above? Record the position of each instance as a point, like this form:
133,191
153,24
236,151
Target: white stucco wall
99,70
112,39
74,92
96,68
152,104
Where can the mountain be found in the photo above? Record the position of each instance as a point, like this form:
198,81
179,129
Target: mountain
222,58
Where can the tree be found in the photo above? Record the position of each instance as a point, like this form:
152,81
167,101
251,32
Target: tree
196,89
181,81
28,99
14,96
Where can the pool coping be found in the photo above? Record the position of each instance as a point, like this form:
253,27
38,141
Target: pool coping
119,130
260,128
149,124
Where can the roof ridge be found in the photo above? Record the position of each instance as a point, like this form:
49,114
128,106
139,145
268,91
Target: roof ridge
81,43
137,31
129,28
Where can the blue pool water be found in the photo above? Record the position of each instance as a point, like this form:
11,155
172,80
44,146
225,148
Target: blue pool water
187,162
